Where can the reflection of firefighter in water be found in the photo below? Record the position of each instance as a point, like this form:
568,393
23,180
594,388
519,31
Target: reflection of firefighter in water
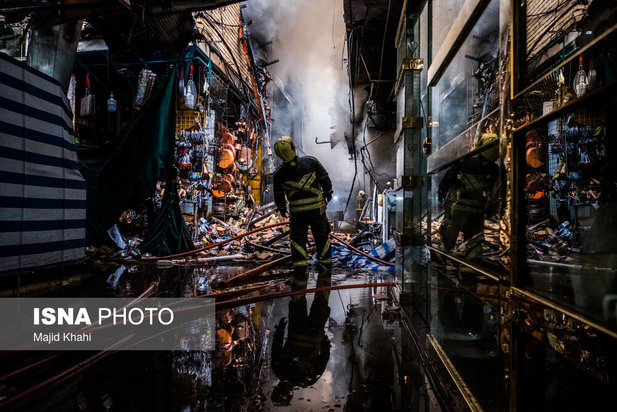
464,191
302,358
307,186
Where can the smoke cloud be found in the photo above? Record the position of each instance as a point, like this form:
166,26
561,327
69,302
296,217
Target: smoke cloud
308,39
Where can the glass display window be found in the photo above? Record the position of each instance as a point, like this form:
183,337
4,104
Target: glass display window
561,363
466,91
465,203
566,183
444,14
464,324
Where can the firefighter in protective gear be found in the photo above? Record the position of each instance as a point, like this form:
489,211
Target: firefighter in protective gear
360,202
307,187
464,191
299,357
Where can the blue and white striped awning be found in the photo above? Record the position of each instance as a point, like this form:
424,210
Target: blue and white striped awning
42,192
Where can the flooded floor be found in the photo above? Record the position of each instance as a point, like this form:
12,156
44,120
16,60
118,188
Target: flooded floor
328,350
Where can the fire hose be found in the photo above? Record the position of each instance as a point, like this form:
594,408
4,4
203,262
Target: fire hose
71,371
253,299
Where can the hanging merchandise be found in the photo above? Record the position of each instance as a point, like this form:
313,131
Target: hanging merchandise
190,91
206,86
228,156
71,97
245,155
145,84
70,94
185,161
581,83
87,105
206,170
181,82
226,184
593,77
228,138
536,186
533,147
112,104
268,165
244,159
217,180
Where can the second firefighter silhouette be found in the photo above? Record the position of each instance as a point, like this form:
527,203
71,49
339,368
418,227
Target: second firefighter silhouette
307,187
466,191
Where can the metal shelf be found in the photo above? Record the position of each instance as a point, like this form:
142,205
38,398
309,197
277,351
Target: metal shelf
574,104
570,58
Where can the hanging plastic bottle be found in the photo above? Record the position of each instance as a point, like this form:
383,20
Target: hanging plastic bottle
581,83
268,166
190,91
112,104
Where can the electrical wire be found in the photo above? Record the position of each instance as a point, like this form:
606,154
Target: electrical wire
555,9
352,107
231,53
333,15
549,28
372,168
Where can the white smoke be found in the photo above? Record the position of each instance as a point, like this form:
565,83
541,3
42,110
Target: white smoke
308,38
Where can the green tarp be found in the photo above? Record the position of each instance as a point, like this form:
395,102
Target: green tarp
123,172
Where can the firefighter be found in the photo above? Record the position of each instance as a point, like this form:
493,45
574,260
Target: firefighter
299,357
307,187
360,202
464,192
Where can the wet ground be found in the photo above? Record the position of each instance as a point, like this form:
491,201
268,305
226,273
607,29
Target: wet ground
323,351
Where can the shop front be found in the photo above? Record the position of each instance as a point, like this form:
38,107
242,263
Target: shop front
507,236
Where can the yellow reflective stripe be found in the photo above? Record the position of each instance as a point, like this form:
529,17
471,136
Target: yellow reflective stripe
307,207
306,180
306,201
299,248
300,263
325,249
304,184
313,190
329,260
310,180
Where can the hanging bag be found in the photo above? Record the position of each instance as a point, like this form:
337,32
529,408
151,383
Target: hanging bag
87,105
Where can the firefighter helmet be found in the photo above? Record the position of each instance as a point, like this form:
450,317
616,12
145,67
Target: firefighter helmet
285,149
491,153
